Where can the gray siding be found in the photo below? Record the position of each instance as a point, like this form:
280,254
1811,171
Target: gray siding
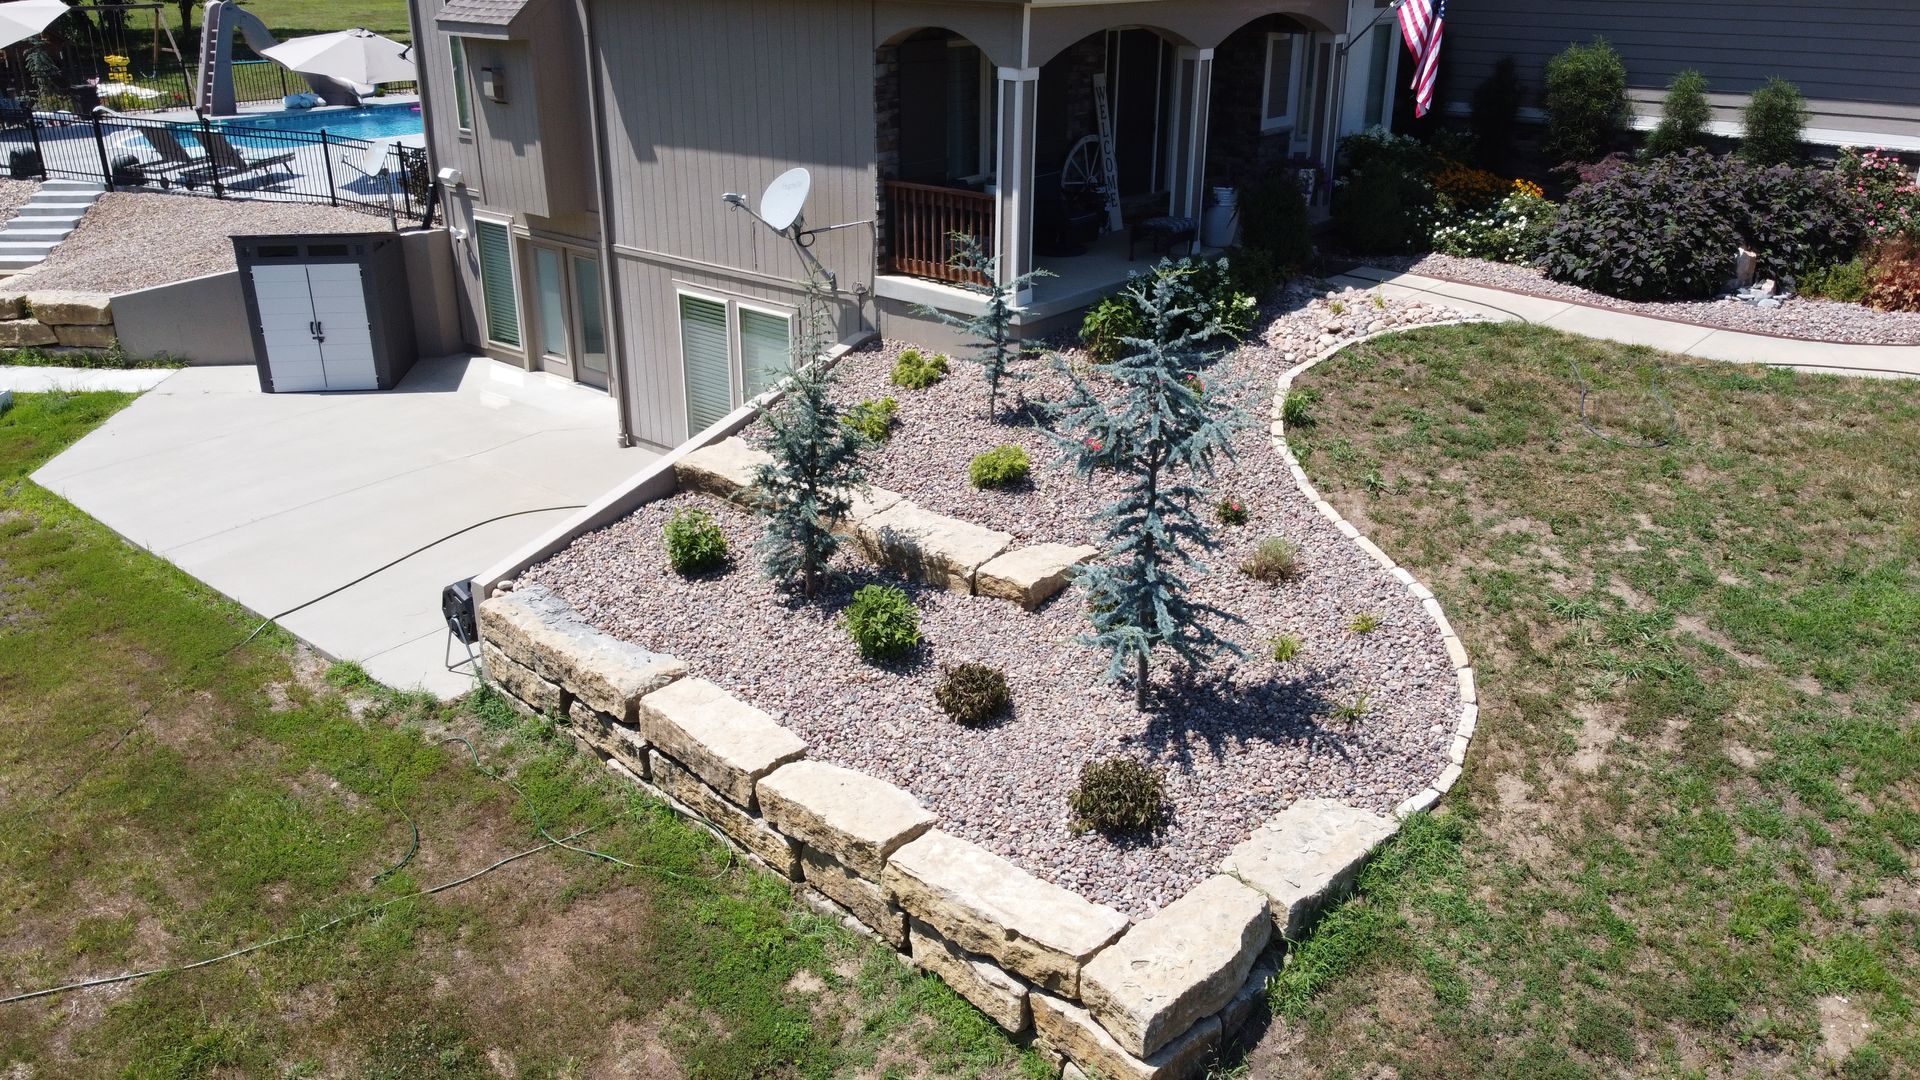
1856,62
722,96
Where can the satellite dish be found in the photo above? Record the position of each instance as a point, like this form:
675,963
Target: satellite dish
780,206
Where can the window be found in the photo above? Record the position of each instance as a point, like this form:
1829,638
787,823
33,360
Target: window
462,90
1283,68
1379,91
731,352
498,288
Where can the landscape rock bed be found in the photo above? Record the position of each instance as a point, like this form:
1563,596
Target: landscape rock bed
1241,742
1796,317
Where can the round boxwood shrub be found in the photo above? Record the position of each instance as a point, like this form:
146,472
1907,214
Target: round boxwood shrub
1118,796
873,419
694,542
883,622
973,693
1002,466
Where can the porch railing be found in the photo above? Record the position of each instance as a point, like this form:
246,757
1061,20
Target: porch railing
921,221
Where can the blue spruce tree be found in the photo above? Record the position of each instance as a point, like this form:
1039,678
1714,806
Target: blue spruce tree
809,484
1154,420
994,346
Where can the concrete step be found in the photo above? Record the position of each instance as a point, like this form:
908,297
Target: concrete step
57,184
8,247
48,235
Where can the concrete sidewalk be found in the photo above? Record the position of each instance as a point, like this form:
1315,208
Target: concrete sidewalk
1687,339
275,499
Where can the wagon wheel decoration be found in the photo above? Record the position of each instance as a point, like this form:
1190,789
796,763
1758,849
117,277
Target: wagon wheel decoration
1083,170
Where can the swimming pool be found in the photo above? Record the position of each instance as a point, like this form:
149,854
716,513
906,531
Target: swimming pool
368,122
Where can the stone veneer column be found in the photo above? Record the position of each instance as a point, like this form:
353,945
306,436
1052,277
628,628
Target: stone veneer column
1013,216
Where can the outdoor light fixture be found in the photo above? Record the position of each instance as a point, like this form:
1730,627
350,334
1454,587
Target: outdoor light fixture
493,83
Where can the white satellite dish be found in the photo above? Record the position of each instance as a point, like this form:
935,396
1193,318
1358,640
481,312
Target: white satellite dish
780,207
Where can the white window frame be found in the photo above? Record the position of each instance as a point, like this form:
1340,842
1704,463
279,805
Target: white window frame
1296,42
519,281
457,62
736,366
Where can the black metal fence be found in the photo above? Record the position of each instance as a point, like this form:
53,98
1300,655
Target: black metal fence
133,153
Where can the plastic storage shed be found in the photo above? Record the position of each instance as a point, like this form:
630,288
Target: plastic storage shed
328,311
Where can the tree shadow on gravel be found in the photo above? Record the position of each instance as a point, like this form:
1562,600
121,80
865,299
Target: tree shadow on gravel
1226,715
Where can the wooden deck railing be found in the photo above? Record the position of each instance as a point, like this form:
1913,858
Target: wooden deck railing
922,219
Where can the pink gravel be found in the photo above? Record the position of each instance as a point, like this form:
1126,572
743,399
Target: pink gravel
1796,317
1238,742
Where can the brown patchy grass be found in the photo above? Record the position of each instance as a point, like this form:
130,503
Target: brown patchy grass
1689,816
259,793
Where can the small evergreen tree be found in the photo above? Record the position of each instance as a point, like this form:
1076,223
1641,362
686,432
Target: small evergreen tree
809,484
1496,112
1775,117
44,70
1683,116
994,347
1162,428
1586,101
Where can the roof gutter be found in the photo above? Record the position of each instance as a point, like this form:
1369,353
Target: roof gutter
612,311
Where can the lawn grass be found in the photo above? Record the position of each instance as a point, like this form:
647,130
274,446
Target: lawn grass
1684,841
298,18
170,791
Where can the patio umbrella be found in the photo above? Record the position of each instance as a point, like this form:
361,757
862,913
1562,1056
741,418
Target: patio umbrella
22,19
357,56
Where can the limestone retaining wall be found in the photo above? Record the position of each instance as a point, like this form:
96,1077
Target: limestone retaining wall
1092,991
54,320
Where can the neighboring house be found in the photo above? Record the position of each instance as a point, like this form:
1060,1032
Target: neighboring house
916,118
1856,62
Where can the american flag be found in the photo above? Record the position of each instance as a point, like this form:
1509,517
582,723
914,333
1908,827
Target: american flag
1422,22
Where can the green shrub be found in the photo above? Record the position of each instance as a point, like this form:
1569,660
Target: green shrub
873,419
1775,117
916,370
1274,559
1296,409
1002,466
1118,796
1230,511
973,693
1273,219
694,542
1364,623
1495,115
1586,101
1107,326
1284,647
1514,230
883,622
1683,116
1883,184
1846,282
1378,212
1254,272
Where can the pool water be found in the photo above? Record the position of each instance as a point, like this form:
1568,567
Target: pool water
369,122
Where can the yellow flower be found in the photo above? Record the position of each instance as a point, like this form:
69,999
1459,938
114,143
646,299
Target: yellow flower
1530,189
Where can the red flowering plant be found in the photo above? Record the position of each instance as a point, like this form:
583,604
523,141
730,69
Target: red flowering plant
1886,190
1231,511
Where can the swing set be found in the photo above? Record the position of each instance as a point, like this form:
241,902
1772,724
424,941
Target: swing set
127,51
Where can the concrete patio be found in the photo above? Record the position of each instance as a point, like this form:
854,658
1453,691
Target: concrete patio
274,499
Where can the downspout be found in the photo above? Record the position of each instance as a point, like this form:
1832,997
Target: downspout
612,311
426,99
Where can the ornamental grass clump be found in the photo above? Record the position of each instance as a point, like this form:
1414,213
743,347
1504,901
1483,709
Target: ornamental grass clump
1117,796
883,622
1274,560
1000,467
1284,647
694,542
915,370
1155,427
973,694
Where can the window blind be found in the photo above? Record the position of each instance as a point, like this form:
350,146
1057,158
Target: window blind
496,282
766,347
462,92
704,352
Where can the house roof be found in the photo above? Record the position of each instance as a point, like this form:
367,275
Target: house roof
481,12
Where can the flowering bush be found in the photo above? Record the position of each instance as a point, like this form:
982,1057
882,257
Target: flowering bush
1514,230
1467,186
1888,195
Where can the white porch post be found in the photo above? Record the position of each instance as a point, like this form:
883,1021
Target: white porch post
1195,83
1013,207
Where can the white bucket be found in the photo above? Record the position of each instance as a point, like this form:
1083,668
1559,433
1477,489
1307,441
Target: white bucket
1221,221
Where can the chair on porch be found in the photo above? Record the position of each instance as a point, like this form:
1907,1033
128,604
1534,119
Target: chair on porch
1163,233
1064,222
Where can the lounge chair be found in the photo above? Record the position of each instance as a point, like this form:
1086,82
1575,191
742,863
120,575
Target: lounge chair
174,156
230,161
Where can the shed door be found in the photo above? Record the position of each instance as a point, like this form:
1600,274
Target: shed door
286,327
346,336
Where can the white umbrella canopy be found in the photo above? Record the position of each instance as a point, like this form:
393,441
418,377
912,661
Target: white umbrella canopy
22,19
356,56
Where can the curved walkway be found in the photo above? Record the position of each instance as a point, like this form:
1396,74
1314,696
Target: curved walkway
1687,339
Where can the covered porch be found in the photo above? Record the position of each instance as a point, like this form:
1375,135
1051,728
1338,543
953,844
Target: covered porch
1092,156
